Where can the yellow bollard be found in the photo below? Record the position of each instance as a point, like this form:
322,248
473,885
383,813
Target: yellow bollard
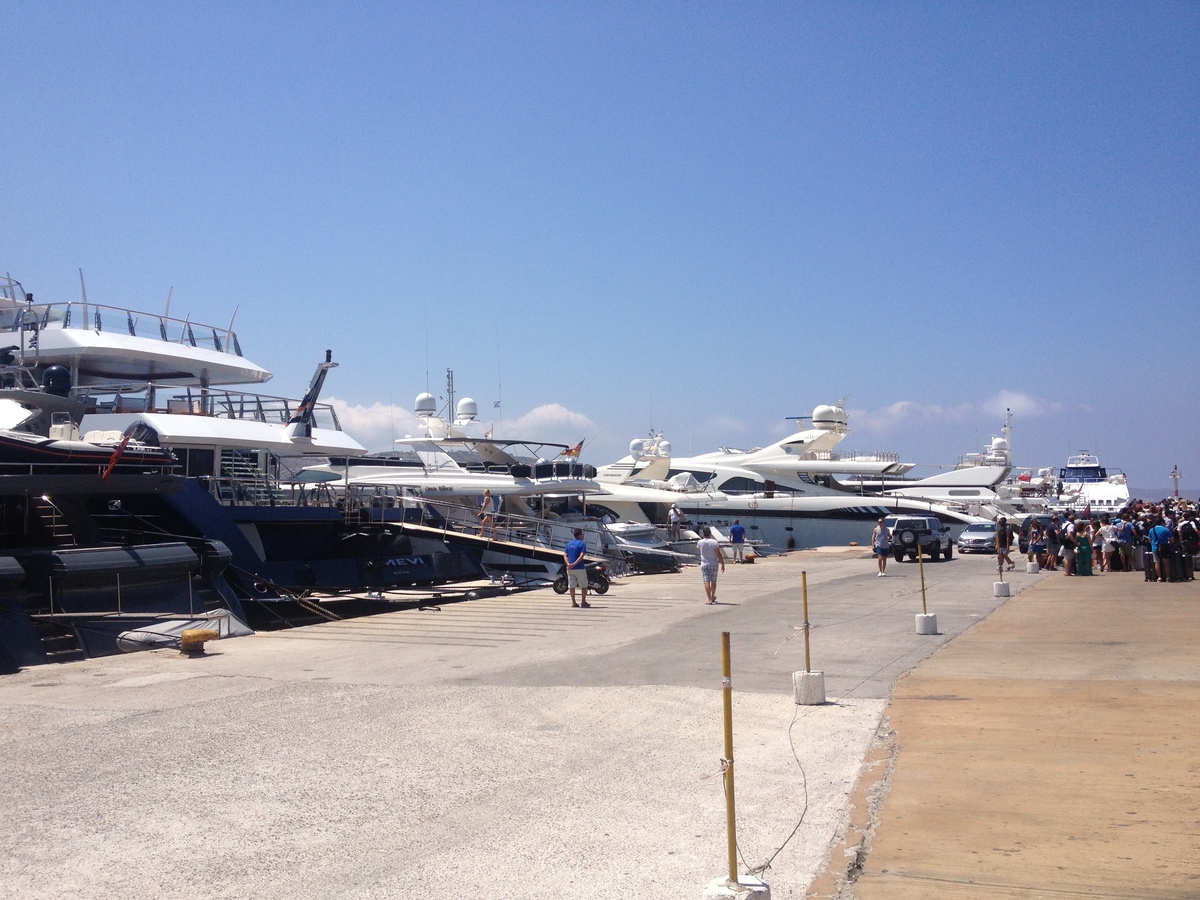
921,565
730,821
804,586
192,641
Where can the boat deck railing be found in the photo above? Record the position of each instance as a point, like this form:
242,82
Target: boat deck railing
851,456
16,315
151,397
264,490
450,516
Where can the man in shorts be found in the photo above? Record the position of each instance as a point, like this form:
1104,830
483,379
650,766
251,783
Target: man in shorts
574,557
737,537
881,546
710,559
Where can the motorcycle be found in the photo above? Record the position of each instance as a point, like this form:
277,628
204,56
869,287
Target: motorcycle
598,580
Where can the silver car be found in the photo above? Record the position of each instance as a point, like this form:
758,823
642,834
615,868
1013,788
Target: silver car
979,537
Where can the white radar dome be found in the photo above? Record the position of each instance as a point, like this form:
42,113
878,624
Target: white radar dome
426,405
999,444
664,448
636,447
828,417
467,408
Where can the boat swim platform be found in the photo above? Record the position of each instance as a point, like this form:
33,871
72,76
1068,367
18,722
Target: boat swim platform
1041,745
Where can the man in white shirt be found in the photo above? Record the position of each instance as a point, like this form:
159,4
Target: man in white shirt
710,559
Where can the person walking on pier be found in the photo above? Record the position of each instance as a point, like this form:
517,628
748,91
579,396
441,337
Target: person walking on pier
1004,536
1053,543
881,546
710,559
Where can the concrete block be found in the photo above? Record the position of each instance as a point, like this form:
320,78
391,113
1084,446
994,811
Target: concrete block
927,623
747,888
1000,589
809,688
1032,568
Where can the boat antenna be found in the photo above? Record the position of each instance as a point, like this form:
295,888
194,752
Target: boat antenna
229,330
450,394
167,311
498,406
83,290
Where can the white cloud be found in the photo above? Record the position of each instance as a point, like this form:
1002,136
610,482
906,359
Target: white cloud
905,413
549,422
375,426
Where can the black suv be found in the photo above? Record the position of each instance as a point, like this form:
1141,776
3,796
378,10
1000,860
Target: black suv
913,533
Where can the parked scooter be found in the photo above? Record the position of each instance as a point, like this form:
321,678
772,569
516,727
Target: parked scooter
597,573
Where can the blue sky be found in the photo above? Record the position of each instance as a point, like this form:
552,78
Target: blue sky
613,217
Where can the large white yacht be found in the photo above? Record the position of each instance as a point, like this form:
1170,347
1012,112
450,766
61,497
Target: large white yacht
121,441
786,495
452,474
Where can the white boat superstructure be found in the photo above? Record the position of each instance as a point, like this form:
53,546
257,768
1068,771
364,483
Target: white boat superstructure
535,502
801,504
97,343
1085,484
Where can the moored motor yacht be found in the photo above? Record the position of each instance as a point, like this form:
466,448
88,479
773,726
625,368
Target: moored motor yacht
439,490
787,495
90,464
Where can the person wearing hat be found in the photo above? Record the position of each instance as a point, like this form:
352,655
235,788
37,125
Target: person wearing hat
674,517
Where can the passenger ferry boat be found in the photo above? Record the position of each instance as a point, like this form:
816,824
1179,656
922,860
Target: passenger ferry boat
1085,484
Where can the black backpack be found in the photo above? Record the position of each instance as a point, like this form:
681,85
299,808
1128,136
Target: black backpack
1189,537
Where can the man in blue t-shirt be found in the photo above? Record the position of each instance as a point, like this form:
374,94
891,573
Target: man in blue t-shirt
576,565
1160,544
737,537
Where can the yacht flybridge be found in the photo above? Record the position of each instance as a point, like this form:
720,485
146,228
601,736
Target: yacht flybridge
99,344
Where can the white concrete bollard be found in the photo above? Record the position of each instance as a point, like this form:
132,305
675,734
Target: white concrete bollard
1000,589
927,623
809,688
747,888
1032,568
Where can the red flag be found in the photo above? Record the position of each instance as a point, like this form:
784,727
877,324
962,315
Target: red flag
112,463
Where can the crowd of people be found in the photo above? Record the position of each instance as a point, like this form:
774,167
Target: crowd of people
1083,545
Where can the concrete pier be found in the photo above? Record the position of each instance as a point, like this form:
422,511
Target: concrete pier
516,747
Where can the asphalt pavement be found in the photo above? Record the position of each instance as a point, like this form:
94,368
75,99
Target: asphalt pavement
502,747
